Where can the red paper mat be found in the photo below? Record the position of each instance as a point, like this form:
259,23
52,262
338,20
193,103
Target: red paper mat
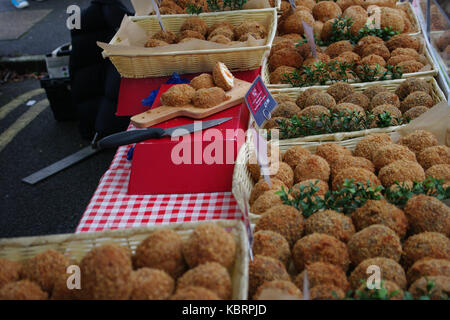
111,207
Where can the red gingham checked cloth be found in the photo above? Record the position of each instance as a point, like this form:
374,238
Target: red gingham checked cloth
112,208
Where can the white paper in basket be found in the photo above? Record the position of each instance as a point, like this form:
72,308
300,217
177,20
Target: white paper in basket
435,120
133,37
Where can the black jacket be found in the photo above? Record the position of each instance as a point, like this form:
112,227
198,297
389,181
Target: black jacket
95,82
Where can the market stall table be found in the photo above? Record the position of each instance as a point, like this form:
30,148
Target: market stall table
112,208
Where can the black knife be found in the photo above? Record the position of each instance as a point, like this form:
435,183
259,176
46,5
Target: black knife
134,136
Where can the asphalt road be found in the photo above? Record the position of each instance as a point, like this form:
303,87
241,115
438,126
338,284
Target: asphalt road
47,34
54,205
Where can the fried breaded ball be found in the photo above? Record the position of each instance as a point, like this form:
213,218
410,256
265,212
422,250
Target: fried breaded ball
358,15
312,62
250,26
305,50
205,80
306,3
401,171
166,36
346,109
195,24
22,290
410,66
301,99
439,171
169,7
248,36
161,250
210,275
403,41
106,273
285,57
209,243
282,287
367,145
428,267
321,185
336,48
340,90
284,98
393,290
273,155
351,161
380,212
285,174
319,247
373,59
312,167
271,244
60,289
320,99
263,269
389,153
294,37
314,112
394,112
321,273
411,85
374,241
332,152
281,75
178,95
393,61
385,98
405,52
426,213
357,174
326,292
220,38
391,18
327,29
365,41
219,24
294,154
152,43
431,156
293,23
151,284
415,112
326,10
425,245
332,223
416,98
377,49
358,99
372,91
349,57
191,34
440,290
194,293
282,44
283,219
222,31
286,110
261,186
418,140
209,97
9,271
43,268
390,270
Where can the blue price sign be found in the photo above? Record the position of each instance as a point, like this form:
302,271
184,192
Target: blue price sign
260,102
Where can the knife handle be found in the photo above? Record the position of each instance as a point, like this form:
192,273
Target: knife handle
129,137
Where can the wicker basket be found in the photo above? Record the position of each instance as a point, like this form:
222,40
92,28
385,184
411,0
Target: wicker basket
412,17
350,139
76,246
265,73
194,61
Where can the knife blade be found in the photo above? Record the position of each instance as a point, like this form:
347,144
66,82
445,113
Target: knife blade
134,136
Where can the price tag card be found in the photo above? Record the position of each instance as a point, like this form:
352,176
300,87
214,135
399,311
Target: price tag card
260,102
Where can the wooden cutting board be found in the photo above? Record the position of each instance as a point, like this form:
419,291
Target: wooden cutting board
164,113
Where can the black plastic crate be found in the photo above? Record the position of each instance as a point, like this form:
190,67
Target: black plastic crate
59,95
